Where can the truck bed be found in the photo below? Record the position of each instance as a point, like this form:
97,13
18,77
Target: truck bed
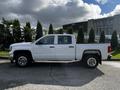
80,48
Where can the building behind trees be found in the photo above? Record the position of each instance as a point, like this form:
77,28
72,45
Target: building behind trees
107,24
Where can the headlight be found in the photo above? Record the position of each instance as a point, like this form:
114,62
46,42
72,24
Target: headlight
10,48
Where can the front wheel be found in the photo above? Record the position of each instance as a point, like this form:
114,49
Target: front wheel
22,60
91,61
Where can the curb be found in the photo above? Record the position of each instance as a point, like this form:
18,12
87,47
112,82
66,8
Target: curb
4,57
114,60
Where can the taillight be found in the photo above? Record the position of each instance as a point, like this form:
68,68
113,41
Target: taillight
109,49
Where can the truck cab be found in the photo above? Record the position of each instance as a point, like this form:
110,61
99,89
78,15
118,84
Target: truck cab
54,47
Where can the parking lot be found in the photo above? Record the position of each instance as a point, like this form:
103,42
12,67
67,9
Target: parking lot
73,76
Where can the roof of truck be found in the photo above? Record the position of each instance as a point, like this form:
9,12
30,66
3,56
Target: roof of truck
61,34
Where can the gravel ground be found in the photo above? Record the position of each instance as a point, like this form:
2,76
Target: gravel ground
59,77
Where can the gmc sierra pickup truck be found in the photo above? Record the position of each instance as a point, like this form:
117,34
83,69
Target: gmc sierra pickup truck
58,48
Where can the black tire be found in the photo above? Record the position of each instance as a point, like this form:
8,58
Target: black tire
90,61
22,60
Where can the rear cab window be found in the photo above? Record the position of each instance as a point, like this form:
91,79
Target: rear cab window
64,40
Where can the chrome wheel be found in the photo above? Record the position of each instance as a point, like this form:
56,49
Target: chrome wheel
22,61
91,62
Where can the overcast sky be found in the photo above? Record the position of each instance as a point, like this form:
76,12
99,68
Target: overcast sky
57,12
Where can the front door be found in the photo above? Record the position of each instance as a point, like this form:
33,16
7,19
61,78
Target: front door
44,48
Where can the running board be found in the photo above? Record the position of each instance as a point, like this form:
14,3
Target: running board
57,61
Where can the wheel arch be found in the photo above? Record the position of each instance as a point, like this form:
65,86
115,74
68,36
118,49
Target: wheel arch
95,52
27,52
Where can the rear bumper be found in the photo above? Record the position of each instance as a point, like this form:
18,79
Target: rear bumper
109,57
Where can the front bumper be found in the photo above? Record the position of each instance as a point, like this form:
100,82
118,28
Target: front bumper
11,57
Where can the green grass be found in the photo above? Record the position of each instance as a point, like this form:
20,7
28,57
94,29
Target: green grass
4,54
116,54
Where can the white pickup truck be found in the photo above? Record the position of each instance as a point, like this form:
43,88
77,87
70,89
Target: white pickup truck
58,48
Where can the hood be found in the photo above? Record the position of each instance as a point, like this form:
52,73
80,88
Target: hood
19,44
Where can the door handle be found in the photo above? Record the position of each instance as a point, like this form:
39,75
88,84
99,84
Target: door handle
52,47
71,46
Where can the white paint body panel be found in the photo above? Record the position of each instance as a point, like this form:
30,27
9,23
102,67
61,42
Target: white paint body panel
63,52
43,52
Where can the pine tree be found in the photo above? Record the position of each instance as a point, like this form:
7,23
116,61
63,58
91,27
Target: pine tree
70,31
91,36
50,29
16,31
6,37
39,32
28,25
27,32
2,38
61,31
114,40
80,36
102,37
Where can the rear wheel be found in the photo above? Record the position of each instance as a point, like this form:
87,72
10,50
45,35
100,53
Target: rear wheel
22,60
91,61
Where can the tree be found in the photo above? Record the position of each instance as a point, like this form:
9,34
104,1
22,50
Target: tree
80,36
70,31
6,37
7,22
28,25
61,31
39,32
114,40
50,29
16,31
102,37
91,36
2,39
1,33
27,32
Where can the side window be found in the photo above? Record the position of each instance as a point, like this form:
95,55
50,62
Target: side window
64,40
46,40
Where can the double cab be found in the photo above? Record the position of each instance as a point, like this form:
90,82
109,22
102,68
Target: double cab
58,48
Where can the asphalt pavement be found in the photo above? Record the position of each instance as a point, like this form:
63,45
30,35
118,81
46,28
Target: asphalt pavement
74,76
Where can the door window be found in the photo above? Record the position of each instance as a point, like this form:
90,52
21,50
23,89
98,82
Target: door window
46,40
64,40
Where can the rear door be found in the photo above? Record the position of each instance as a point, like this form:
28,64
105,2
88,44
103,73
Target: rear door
65,50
